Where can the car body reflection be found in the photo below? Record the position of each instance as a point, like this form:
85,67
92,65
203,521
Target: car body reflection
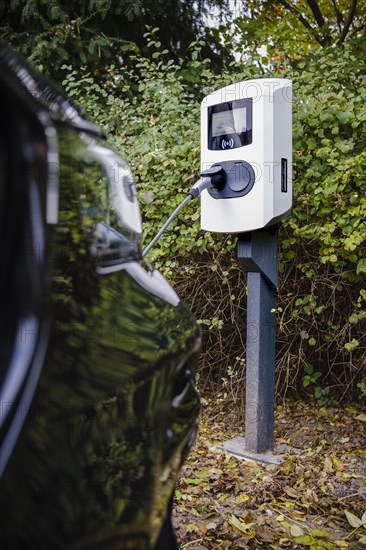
97,350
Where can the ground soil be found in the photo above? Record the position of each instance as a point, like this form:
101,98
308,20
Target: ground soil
315,499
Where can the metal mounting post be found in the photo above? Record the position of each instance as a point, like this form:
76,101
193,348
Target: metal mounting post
258,257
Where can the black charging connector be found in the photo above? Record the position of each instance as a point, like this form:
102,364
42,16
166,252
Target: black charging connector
217,175
214,177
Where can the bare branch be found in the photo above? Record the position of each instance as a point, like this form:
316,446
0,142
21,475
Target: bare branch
313,5
295,10
351,15
302,20
338,15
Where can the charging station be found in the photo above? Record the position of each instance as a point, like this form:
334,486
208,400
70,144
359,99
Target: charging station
246,188
246,131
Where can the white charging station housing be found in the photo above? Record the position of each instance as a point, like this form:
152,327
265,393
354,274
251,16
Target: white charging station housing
247,129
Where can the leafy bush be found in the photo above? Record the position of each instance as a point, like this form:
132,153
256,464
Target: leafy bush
152,113
323,245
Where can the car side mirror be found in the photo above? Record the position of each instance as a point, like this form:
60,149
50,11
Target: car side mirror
116,234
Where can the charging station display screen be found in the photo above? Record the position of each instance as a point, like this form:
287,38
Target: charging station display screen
230,124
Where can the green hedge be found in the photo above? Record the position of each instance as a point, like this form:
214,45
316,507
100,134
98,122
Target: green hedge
151,112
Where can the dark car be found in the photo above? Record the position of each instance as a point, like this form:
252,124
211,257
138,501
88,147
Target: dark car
98,406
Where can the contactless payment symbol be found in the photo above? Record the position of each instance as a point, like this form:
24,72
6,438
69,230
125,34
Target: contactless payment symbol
227,143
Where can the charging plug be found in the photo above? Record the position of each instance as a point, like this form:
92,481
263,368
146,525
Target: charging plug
213,177
217,176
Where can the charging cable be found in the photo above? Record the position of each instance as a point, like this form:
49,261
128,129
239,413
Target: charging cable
214,176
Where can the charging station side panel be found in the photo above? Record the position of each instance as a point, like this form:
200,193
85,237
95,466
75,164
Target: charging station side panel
268,164
283,150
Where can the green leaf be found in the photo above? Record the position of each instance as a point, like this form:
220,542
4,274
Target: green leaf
353,520
308,368
350,346
194,481
296,531
243,527
306,540
320,533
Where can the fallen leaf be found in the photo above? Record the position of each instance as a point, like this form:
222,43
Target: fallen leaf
312,495
291,492
194,481
341,543
192,527
305,539
353,520
328,465
242,498
264,533
215,473
242,542
242,527
320,534
296,531
361,417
